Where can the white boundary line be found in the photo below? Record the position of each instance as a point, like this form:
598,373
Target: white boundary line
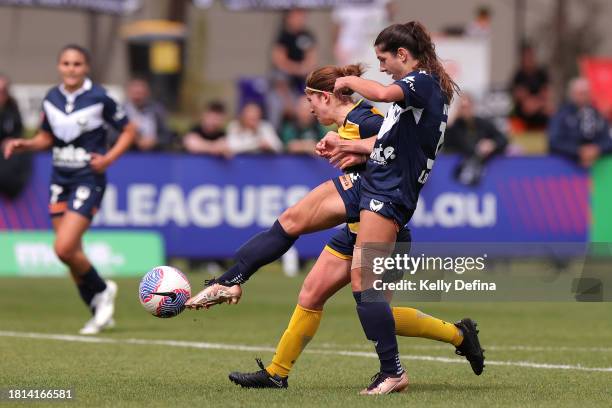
238,347
488,347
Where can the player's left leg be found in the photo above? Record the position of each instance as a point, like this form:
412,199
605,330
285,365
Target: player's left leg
376,238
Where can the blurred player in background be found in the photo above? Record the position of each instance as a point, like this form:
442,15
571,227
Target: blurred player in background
74,115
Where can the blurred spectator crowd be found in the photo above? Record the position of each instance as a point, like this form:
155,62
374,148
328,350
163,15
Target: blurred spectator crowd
282,121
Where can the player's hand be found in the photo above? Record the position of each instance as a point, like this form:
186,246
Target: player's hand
13,146
342,85
485,147
588,154
329,145
99,163
345,160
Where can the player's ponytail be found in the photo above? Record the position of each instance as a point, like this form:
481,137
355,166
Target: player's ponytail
323,79
414,37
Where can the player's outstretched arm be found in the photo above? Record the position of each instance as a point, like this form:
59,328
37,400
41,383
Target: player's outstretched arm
359,146
100,163
332,144
42,141
369,89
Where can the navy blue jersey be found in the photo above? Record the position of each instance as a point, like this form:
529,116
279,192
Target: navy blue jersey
407,143
362,121
77,122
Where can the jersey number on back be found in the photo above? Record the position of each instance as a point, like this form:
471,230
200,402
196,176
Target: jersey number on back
430,162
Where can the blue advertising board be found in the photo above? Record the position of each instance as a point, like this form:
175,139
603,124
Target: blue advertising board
207,207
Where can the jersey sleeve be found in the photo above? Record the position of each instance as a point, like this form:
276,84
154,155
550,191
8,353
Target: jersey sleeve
114,114
44,122
417,88
370,125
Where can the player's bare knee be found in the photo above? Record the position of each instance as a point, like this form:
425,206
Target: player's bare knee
65,252
291,221
310,297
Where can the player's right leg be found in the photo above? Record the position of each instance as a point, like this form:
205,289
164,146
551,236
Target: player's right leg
70,222
376,238
329,274
320,209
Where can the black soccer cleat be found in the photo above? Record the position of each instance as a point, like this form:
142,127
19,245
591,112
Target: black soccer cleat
470,347
258,379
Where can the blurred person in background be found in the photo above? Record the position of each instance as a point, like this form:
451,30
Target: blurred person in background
148,115
578,131
208,135
251,134
280,99
476,139
301,133
295,52
530,93
355,26
14,172
480,27
74,117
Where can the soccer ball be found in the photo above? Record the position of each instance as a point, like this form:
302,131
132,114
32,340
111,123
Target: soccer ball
163,291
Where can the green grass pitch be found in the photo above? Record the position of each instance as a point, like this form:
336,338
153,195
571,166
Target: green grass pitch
535,350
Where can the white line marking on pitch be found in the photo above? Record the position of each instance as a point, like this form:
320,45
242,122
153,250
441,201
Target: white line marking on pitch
238,347
488,347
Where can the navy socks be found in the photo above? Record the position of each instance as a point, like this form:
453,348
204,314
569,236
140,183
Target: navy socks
262,249
91,284
378,325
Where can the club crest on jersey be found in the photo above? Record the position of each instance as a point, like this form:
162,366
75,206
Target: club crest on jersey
376,205
382,155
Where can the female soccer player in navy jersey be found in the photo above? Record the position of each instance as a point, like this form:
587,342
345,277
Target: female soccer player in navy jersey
332,268
404,154
74,115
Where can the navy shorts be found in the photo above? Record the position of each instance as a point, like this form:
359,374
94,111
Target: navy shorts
349,187
388,209
343,241
83,197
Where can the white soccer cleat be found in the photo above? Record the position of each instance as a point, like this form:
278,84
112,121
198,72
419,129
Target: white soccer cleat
92,328
103,304
215,294
385,384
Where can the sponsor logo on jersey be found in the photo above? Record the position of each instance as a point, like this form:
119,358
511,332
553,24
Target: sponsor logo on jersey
347,180
382,155
70,156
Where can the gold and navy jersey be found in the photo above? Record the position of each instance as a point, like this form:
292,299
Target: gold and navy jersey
77,122
362,121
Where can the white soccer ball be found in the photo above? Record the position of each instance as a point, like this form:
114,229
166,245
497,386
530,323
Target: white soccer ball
163,291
